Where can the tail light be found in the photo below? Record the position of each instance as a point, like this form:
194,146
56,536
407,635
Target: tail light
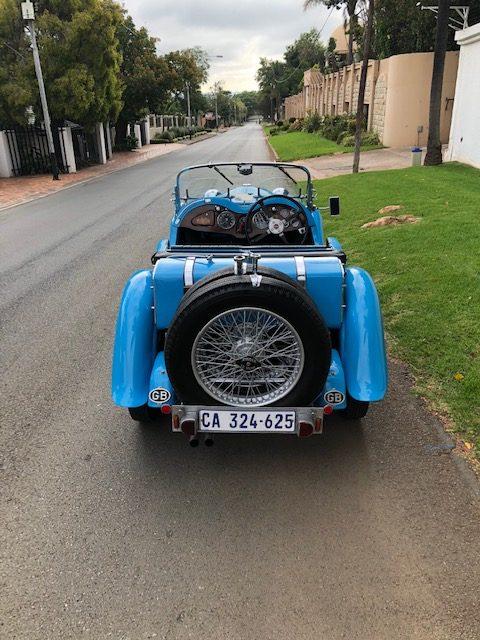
188,427
305,429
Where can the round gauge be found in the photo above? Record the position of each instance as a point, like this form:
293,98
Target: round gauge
260,220
226,220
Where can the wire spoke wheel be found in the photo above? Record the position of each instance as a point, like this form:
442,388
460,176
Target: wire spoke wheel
247,356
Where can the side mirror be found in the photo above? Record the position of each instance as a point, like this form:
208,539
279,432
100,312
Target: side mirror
334,202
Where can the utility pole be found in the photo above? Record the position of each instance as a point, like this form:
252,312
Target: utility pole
216,107
189,113
28,14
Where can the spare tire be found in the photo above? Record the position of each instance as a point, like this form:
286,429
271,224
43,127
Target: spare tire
232,343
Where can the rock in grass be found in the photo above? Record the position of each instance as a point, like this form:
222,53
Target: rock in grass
391,220
389,209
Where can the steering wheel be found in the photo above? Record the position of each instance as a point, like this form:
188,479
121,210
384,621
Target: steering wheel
276,225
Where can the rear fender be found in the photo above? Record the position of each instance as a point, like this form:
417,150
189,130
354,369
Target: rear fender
134,347
362,344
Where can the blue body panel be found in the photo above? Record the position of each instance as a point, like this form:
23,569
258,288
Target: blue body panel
159,378
333,242
324,283
134,348
362,346
335,382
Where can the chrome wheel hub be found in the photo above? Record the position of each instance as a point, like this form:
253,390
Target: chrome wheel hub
247,357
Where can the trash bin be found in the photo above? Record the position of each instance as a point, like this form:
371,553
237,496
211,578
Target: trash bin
416,157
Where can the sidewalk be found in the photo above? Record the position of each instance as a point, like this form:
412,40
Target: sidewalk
341,163
15,191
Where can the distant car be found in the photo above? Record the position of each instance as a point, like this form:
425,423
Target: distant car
249,320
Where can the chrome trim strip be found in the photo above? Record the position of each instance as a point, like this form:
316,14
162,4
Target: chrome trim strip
300,268
188,272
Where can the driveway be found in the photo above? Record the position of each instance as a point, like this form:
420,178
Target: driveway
111,530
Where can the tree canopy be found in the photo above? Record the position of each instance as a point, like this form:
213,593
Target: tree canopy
97,65
78,46
278,79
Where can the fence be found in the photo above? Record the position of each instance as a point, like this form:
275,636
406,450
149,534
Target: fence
29,153
85,147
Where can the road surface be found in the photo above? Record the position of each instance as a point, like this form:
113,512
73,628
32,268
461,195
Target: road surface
111,530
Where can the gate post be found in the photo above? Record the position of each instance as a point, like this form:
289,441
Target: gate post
138,135
100,139
67,150
6,164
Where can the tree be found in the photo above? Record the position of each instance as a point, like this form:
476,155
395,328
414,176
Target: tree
306,52
268,76
401,27
16,89
361,88
434,145
146,77
80,60
187,65
250,100
351,18
278,79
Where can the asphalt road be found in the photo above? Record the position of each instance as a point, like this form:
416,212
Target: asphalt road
111,530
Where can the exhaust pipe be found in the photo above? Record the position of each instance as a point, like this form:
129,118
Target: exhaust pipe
209,441
193,441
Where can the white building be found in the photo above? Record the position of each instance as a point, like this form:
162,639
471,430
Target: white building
464,142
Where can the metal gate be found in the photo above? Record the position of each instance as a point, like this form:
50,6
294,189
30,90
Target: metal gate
28,147
84,147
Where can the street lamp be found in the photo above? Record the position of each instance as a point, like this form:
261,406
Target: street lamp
28,15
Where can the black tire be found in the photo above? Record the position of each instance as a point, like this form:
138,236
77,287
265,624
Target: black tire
356,409
282,296
228,271
140,414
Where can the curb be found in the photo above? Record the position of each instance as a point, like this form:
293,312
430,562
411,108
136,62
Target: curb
273,153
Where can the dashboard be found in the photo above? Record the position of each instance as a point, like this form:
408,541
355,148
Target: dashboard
281,220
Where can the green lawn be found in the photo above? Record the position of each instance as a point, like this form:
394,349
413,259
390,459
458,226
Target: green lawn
428,275
298,145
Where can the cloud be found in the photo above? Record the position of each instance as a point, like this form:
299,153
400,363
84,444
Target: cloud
242,31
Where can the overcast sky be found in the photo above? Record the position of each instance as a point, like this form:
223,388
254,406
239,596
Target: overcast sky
241,30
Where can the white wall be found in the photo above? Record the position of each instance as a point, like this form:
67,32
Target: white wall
464,143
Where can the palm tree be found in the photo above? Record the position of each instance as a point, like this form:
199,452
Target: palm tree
350,17
434,145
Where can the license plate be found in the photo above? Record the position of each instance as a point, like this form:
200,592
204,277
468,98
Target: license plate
246,421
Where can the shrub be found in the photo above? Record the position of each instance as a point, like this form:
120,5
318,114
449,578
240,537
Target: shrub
279,123
129,144
349,141
274,132
296,125
291,120
369,138
165,135
312,122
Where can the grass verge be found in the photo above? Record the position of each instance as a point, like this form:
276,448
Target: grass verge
297,145
427,276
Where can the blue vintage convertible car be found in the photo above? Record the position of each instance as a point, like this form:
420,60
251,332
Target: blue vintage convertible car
249,320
